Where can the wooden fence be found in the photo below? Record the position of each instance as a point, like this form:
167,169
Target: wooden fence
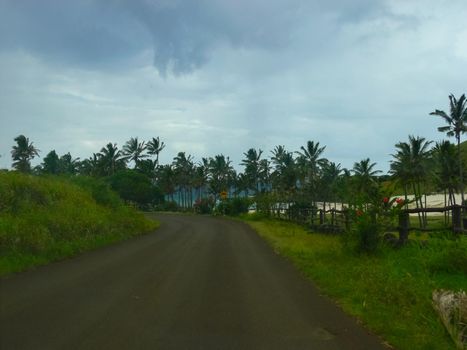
340,220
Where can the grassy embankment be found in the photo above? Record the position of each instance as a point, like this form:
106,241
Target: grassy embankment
390,292
44,219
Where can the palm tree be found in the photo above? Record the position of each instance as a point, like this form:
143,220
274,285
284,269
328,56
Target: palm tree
365,178
154,147
23,153
220,174
411,166
134,149
111,159
310,161
284,176
68,165
183,166
456,121
166,180
446,170
252,168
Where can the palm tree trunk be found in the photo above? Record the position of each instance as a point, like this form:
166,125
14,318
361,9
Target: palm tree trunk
460,168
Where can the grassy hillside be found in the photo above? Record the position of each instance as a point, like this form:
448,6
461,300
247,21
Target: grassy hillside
43,219
389,292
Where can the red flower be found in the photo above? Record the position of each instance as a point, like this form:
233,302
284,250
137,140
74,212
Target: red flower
399,201
385,199
359,212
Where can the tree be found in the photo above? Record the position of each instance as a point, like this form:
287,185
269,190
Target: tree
68,165
23,153
411,166
446,170
154,147
220,171
456,126
310,162
365,178
133,150
51,163
111,159
252,168
284,176
183,166
135,187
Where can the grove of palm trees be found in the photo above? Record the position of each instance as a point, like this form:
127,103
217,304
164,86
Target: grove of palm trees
302,177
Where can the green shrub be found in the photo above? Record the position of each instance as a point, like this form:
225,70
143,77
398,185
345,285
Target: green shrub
100,190
204,205
167,206
365,233
233,206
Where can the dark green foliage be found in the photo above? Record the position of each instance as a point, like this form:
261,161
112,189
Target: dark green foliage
365,234
135,187
99,189
22,153
204,205
233,206
167,206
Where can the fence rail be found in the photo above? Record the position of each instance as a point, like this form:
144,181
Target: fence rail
340,220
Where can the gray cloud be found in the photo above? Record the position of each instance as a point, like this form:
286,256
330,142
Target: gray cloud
221,76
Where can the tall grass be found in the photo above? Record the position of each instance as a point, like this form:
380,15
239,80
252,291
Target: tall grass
48,218
390,292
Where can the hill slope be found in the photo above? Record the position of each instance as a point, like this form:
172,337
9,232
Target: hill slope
43,219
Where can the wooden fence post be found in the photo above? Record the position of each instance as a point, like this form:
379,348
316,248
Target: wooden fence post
404,224
347,219
456,219
321,217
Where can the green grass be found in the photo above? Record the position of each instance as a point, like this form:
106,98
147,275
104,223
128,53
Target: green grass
44,219
390,292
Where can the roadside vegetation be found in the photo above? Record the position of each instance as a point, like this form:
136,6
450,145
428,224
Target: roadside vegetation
44,219
390,292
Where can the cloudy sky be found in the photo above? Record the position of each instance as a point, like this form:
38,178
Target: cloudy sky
221,76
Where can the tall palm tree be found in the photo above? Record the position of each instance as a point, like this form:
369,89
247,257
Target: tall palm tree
134,150
68,165
252,168
23,153
456,126
183,167
111,159
365,177
220,171
446,170
411,166
154,147
311,161
284,176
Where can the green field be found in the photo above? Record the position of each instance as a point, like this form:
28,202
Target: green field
390,292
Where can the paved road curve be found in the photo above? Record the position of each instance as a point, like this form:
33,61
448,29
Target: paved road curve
196,283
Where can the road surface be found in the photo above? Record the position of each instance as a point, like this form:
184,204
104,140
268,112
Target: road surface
196,283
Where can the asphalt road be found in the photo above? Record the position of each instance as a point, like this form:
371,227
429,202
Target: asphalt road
196,283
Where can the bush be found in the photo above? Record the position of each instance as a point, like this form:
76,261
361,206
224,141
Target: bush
233,206
365,233
100,190
167,206
204,205
135,187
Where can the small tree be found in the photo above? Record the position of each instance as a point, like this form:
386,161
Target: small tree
23,153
